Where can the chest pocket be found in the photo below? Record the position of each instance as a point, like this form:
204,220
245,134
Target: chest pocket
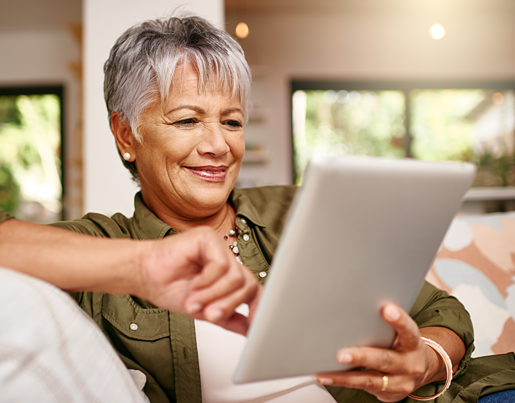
141,336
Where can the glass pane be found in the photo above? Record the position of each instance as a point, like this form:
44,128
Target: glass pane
30,167
469,125
439,124
347,123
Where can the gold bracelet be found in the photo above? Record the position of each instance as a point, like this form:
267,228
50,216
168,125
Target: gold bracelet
448,368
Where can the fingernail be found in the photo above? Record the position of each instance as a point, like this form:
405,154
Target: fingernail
392,313
194,308
214,316
325,381
344,358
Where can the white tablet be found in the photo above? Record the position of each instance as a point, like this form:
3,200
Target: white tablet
361,232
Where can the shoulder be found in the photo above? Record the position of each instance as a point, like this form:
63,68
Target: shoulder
4,216
116,226
266,206
267,197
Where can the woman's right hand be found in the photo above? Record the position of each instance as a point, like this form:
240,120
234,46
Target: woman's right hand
195,274
392,374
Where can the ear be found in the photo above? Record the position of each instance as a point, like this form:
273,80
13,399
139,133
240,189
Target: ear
122,132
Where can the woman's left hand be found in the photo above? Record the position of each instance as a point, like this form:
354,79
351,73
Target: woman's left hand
389,374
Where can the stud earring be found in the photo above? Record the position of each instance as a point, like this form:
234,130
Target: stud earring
126,156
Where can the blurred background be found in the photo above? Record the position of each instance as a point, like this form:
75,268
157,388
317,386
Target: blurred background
429,79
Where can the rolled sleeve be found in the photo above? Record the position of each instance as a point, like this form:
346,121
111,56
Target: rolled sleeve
435,307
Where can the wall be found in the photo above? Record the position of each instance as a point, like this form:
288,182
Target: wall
107,185
366,40
342,39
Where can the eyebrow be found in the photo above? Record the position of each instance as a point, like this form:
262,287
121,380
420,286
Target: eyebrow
192,107
202,111
231,110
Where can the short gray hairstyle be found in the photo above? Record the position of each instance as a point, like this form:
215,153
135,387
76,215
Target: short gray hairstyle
142,63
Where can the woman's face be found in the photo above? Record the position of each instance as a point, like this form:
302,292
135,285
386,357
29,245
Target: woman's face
191,152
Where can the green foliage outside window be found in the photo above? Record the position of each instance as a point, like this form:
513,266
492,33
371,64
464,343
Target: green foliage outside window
439,126
475,125
9,191
30,168
343,123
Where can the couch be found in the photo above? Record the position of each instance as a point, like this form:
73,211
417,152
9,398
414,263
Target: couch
476,263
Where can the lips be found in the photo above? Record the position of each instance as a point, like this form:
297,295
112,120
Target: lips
209,173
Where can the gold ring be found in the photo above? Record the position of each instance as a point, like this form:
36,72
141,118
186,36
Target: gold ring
385,383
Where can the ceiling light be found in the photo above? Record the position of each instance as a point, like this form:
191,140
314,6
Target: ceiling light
242,30
437,31
498,98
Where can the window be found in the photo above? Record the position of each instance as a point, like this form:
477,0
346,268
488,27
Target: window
31,145
429,121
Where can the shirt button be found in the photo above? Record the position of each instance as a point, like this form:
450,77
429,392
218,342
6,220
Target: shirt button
133,326
243,221
262,274
246,237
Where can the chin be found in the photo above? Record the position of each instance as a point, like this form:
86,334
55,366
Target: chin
209,198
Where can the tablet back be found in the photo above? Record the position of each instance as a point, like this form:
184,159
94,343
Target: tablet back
361,232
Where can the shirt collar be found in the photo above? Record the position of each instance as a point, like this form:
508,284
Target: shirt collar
148,226
244,207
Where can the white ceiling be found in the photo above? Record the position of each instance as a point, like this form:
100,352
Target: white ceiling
26,14
371,6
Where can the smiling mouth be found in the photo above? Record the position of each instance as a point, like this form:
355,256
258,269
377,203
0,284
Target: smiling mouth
209,173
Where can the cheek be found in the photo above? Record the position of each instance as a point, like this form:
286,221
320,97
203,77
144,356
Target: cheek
237,146
173,150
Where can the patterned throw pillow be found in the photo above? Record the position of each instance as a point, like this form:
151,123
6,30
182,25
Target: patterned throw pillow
476,264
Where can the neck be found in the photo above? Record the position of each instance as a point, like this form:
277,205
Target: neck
222,221
220,218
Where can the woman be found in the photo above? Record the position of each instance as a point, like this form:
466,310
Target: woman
177,92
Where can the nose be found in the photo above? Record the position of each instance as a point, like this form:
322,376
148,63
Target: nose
213,141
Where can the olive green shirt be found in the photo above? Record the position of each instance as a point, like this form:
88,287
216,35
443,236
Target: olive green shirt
4,216
163,344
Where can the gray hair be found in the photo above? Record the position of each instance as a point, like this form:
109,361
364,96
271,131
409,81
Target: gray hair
142,63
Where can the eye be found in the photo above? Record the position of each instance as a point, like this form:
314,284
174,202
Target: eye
233,124
186,122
